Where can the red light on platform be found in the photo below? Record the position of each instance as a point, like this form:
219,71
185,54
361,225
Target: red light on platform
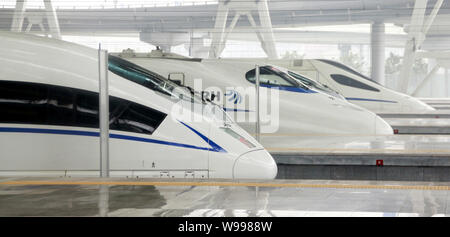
379,162
395,131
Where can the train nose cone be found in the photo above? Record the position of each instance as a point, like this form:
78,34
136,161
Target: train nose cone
255,165
382,127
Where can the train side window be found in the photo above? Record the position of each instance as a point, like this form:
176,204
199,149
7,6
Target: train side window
124,115
269,77
87,109
61,106
133,117
347,81
21,103
41,104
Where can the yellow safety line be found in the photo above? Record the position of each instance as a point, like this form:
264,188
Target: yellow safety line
227,184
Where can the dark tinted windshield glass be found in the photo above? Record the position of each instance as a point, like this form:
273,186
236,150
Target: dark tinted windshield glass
138,74
314,84
307,81
346,68
148,79
347,81
271,76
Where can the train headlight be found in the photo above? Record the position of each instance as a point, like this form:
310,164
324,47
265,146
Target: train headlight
238,137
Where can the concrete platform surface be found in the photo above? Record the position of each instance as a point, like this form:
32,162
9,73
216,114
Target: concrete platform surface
353,144
157,197
420,125
430,122
437,103
434,114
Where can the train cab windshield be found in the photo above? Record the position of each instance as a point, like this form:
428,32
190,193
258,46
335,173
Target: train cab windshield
149,79
315,85
272,76
162,85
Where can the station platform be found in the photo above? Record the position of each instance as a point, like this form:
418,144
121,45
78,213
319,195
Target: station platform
442,106
438,103
396,157
435,114
218,198
434,122
420,125
435,101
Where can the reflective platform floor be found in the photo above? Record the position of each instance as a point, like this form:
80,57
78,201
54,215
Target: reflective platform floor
157,197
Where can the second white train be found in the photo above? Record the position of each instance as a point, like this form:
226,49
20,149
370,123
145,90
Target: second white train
303,109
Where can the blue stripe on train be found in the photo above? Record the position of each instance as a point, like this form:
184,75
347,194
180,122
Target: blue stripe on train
374,100
288,88
214,147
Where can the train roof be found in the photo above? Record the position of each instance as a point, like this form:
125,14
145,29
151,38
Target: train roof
42,41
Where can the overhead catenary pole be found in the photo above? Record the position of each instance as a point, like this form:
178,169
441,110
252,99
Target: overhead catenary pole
258,128
103,111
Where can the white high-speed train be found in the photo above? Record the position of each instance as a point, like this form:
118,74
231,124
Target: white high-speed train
354,86
50,117
303,109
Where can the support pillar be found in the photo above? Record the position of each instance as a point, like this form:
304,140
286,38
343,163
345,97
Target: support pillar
428,78
377,52
268,44
418,29
446,82
263,30
52,19
36,18
218,31
19,15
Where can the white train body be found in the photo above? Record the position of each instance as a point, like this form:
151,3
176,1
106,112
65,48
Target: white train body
302,110
49,121
355,87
